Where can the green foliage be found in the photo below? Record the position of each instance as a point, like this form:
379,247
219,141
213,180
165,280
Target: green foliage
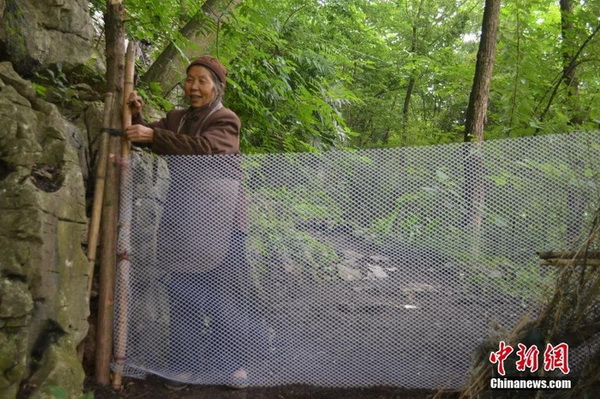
277,213
153,97
55,86
317,75
307,76
283,86
155,22
60,393
40,90
501,278
413,81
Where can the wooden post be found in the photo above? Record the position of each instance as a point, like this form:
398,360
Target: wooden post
104,334
94,226
125,216
115,39
92,242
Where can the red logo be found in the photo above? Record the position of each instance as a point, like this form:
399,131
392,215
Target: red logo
555,357
500,356
528,358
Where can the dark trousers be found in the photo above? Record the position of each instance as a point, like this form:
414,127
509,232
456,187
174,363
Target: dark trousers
214,316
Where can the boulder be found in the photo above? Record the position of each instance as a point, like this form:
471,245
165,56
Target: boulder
38,34
43,268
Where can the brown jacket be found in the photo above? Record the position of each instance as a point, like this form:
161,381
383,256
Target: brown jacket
206,202
208,130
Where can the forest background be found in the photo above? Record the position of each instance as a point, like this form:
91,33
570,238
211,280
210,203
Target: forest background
324,74
304,76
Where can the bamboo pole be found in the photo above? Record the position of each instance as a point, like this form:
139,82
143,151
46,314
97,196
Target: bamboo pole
124,240
92,242
104,336
115,39
94,226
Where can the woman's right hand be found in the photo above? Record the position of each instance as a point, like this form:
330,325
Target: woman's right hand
139,134
135,103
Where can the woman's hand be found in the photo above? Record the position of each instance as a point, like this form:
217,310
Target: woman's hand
139,134
135,103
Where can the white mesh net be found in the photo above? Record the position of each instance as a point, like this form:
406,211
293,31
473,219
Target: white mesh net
376,267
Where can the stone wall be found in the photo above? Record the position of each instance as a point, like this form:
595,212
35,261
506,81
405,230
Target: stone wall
44,163
43,275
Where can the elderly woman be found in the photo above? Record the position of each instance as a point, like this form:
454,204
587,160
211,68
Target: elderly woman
205,128
202,233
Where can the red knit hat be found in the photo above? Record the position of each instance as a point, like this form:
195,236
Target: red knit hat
211,63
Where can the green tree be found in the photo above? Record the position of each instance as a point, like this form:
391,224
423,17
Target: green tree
312,75
194,38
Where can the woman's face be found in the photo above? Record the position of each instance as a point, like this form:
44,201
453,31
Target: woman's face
199,86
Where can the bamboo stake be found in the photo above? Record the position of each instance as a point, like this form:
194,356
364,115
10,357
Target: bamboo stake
125,216
115,39
94,226
106,287
92,242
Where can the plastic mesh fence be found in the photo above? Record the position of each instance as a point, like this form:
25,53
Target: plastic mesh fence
376,267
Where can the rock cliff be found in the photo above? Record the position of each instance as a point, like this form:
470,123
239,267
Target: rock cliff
37,34
43,165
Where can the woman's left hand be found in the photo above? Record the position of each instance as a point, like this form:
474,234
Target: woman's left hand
135,103
139,134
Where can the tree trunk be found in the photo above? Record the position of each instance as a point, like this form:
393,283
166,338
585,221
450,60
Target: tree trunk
478,102
569,67
386,135
406,107
115,47
115,50
414,46
474,168
517,77
575,201
170,64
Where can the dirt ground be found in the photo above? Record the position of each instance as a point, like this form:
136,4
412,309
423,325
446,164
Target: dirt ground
154,388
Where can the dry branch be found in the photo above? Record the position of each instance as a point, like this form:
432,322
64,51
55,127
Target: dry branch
570,316
568,255
568,262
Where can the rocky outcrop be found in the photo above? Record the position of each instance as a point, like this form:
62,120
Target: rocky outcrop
43,309
38,34
45,157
